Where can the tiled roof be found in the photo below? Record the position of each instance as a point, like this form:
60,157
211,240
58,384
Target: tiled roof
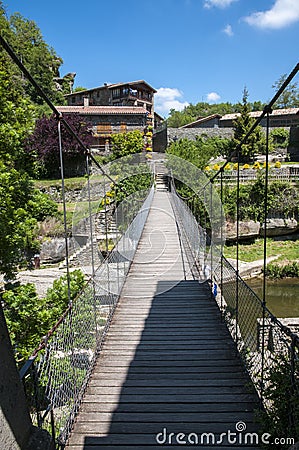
275,112
201,120
131,83
112,86
96,110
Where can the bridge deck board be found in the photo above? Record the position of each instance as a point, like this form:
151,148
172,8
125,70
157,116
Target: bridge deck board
168,361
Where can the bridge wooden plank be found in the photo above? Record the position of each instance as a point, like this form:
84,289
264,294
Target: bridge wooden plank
89,441
168,360
202,408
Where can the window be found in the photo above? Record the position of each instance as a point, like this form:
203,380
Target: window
123,127
104,128
73,100
133,92
115,93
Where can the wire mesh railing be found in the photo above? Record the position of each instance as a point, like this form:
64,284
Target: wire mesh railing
192,234
55,377
269,350
264,343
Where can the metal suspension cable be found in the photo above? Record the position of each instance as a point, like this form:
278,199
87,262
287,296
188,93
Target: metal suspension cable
64,212
265,253
237,250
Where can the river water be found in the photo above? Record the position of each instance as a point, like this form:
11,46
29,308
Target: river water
282,296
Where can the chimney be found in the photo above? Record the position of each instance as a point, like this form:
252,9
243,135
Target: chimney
86,101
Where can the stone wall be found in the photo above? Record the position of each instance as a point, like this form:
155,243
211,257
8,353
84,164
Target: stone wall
191,133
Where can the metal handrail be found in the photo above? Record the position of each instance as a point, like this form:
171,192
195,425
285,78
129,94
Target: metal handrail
56,374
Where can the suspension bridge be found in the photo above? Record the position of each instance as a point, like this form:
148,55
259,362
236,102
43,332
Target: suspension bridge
168,364
166,345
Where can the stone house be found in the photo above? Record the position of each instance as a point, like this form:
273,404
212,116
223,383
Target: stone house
107,120
134,93
114,108
279,118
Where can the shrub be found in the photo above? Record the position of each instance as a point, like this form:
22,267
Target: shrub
277,271
245,167
256,165
29,317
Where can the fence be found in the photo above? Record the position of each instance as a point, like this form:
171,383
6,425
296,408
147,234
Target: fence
55,377
286,174
192,235
268,348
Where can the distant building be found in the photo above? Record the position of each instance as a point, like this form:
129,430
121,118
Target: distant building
204,122
279,118
134,93
114,108
107,120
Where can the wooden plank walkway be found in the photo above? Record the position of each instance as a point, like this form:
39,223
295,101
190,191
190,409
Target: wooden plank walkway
168,364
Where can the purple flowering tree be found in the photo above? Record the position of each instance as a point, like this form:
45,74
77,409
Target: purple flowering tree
43,145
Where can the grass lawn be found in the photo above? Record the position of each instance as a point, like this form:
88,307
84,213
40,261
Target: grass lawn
288,250
70,183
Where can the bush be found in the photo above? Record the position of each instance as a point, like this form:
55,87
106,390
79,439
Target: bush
124,144
43,146
279,137
42,206
276,271
284,400
29,317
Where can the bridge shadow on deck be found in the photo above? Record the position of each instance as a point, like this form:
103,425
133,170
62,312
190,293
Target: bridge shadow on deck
173,371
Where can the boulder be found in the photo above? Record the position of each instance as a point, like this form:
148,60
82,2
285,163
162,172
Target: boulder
247,230
53,250
279,227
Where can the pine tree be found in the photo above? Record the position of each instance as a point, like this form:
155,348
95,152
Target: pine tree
255,143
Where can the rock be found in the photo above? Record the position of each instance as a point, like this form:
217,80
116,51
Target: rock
279,227
53,250
247,230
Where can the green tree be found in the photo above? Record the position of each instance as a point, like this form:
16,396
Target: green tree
279,137
41,60
21,205
290,96
255,143
17,224
200,151
124,144
29,317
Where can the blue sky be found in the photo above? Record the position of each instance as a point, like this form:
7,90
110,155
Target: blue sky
189,50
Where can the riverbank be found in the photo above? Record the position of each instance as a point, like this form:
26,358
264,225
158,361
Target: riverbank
253,268
285,249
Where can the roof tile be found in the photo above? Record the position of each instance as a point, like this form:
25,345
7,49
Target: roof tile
96,110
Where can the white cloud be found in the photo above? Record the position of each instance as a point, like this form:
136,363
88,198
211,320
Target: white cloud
282,14
218,3
213,97
228,30
167,99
